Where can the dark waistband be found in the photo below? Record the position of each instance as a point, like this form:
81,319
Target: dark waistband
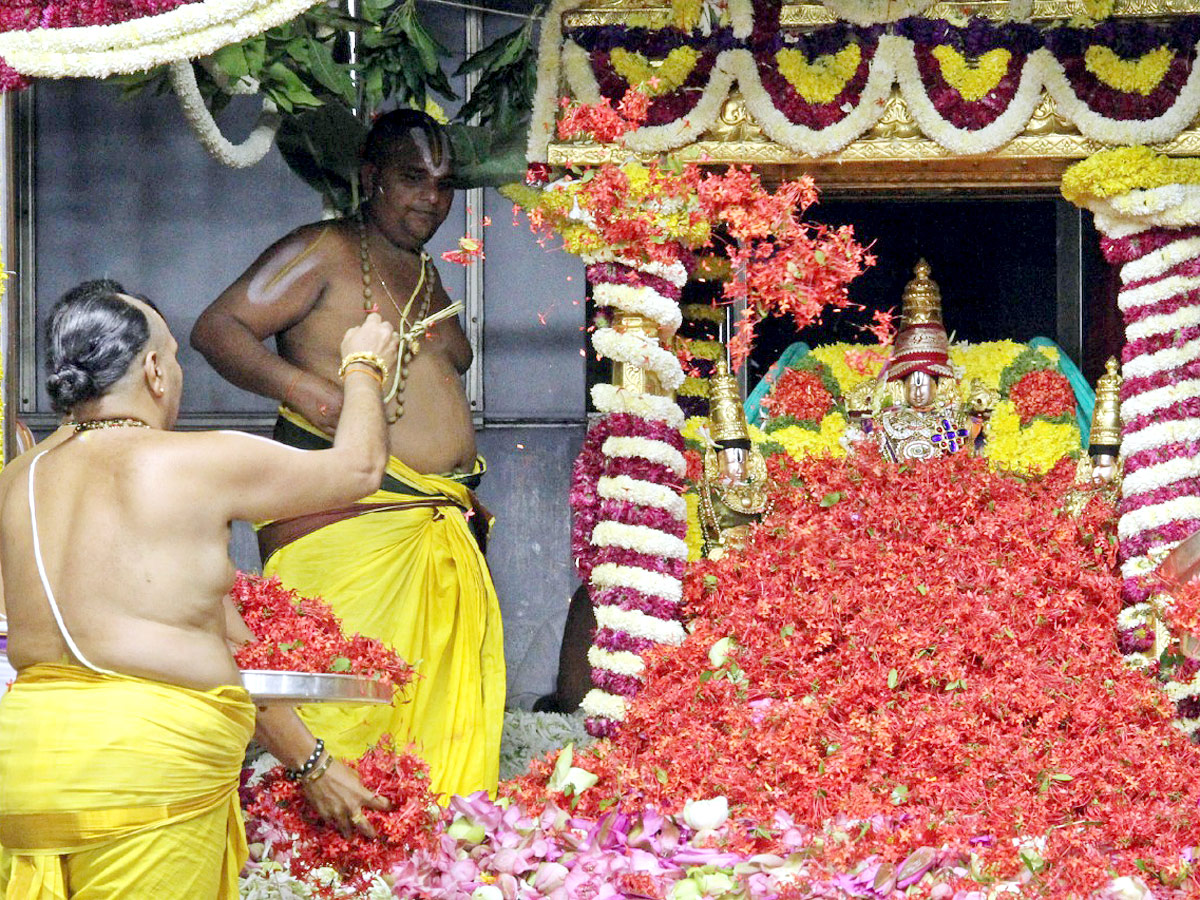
293,435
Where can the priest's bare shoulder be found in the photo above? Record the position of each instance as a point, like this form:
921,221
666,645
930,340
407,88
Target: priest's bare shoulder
307,288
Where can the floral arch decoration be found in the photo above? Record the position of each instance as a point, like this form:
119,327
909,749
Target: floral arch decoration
811,85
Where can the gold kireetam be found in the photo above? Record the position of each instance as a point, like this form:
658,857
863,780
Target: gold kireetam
922,303
726,414
1106,416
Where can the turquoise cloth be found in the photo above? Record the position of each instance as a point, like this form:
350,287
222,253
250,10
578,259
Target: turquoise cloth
753,404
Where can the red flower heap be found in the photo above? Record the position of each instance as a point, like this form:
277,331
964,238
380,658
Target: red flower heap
1045,393
801,395
301,634
279,808
925,655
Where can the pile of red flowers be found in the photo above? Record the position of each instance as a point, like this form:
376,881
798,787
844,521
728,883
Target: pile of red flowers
1043,392
302,634
1183,614
278,812
799,394
906,657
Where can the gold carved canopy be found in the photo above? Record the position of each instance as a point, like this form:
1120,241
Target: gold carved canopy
893,154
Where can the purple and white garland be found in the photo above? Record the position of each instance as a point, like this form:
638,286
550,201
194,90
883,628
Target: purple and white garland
1160,407
630,517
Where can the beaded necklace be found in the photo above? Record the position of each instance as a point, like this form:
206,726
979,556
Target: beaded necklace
116,422
409,336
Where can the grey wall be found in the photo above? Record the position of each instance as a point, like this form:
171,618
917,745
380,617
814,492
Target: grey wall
124,190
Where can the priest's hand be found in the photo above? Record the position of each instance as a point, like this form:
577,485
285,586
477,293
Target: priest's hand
339,797
316,399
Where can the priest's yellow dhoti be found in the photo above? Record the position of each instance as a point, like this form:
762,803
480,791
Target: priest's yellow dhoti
118,787
404,566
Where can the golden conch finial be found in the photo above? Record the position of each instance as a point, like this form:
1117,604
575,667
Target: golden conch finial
726,414
1106,417
922,298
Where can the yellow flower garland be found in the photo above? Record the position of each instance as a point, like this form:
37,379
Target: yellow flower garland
709,350
1120,170
693,387
1035,448
825,77
655,80
833,356
800,442
702,312
973,80
685,14
983,361
1140,76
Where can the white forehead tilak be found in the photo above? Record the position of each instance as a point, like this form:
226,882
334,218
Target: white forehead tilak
420,139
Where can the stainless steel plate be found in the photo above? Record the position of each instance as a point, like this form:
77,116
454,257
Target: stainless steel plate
268,686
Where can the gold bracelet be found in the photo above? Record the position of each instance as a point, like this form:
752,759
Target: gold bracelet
319,770
365,356
367,371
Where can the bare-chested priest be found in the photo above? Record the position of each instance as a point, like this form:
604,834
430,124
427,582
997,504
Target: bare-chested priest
121,741
405,564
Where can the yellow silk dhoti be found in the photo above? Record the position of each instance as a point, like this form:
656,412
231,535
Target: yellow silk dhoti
113,787
407,570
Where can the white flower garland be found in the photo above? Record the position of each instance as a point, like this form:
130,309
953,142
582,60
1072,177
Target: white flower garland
1159,434
608,398
644,301
674,272
1172,206
875,12
1118,131
1160,261
640,625
640,539
1149,518
602,704
545,98
824,141
1158,398
654,584
660,138
1165,323
1134,616
186,32
620,661
1162,360
641,351
642,493
645,448
1159,475
578,74
236,156
963,141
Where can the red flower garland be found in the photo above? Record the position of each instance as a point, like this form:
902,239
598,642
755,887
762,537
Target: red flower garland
799,394
301,634
1043,392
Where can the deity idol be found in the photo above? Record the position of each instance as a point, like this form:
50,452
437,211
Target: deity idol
1103,462
735,490
913,410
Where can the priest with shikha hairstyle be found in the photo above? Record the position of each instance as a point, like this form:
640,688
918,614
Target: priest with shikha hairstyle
122,738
